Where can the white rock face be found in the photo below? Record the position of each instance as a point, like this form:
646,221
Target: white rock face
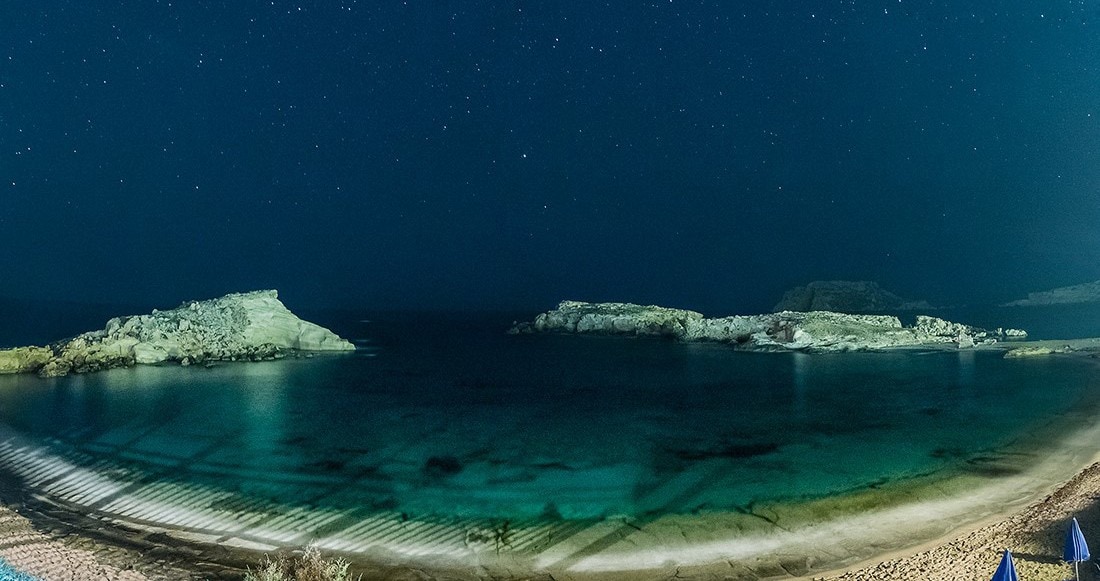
269,322
787,330
1013,334
245,326
613,319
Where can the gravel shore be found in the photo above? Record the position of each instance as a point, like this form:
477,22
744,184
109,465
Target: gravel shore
60,557
1035,536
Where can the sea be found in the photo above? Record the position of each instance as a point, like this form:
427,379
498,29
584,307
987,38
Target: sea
445,415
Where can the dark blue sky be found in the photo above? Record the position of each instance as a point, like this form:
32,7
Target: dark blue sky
478,154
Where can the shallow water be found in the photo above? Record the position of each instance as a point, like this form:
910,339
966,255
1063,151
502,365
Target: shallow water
441,419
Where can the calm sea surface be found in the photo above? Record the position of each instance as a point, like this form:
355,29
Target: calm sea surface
445,416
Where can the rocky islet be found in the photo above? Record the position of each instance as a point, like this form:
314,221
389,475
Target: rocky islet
787,330
237,327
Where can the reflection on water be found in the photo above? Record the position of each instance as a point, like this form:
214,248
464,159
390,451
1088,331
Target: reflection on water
966,368
800,363
264,412
487,426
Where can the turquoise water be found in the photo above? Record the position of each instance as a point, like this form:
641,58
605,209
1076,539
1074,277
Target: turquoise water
9,573
457,419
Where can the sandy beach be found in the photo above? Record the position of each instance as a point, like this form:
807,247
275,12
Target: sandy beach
1035,536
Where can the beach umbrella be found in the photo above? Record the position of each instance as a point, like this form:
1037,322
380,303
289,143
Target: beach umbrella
1006,571
1076,548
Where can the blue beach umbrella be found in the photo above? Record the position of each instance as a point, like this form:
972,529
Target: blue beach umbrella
1006,571
1076,548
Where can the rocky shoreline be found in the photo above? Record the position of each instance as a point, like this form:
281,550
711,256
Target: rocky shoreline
249,326
815,331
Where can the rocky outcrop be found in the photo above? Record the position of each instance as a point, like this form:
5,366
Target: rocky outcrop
611,319
829,331
1013,334
810,331
1088,292
24,359
1024,352
844,296
237,327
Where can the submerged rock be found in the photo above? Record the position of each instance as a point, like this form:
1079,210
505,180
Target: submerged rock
1088,292
442,466
728,451
811,331
845,296
237,327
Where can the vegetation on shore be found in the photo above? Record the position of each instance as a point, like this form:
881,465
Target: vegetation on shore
310,566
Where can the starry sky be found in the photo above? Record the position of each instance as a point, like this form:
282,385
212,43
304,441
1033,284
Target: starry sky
506,155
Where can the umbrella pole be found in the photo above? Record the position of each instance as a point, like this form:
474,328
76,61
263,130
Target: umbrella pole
1076,573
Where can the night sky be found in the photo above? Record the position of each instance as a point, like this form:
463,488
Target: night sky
477,155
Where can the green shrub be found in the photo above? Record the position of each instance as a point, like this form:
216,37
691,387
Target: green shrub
309,567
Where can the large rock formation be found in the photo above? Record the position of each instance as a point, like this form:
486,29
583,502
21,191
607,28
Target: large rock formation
1088,292
613,319
844,296
811,331
246,326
